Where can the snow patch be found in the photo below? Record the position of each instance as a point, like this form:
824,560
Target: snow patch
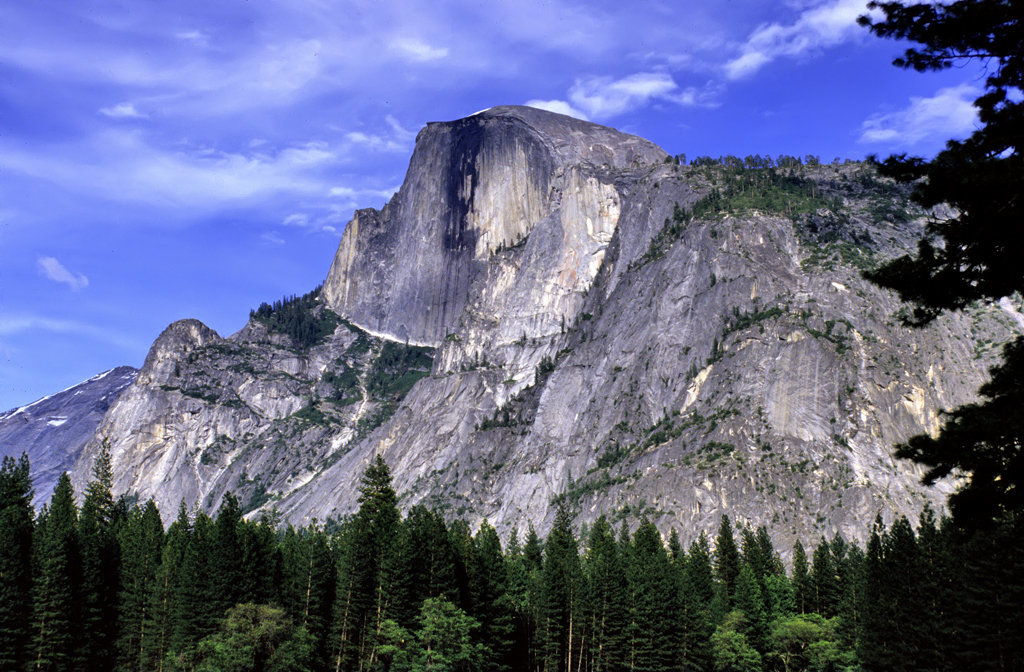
56,422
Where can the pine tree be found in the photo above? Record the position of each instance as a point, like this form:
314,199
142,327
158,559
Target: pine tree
561,594
803,589
160,619
197,597
225,561
698,592
727,561
15,562
654,617
748,599
308,583
874,640
605,606
903,592
491,602
823,581
361,602
100,560
973,255
533,562
141,541
56,585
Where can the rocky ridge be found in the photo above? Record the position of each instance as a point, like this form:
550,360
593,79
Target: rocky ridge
550,311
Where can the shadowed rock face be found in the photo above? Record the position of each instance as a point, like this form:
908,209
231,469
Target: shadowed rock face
54,430
585,342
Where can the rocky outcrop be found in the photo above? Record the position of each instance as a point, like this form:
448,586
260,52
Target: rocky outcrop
53,431
551,312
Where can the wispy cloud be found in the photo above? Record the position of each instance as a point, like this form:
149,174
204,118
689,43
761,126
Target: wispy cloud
191,177
557,106
606,97
121,111
12,325
54,270
816,27
949,113
272,238
417,50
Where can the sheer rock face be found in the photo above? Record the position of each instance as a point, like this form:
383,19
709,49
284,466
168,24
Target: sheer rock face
54,430
475,186
589,346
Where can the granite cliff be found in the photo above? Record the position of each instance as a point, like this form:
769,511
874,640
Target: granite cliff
551,311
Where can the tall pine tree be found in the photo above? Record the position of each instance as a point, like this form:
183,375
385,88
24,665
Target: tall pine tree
15,562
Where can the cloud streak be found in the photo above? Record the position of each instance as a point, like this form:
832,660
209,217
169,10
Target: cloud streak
607,97
21,324
949,113
54,270
816,28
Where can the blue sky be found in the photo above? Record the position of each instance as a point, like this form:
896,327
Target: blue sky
162,160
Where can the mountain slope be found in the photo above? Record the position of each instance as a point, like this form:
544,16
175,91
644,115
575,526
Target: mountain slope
601,327
54,430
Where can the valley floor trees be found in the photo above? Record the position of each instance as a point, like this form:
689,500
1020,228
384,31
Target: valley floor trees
104,587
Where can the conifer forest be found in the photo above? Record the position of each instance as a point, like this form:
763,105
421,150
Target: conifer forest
104,586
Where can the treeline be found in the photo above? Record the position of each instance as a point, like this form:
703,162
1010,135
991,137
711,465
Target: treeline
297,317
104,586
753,161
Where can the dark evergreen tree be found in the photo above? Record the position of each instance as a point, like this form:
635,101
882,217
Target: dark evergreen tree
750,601
973,255
15,563
803,589
160,619
727,561
492,606
605,606
655,609
534,563
197,596
225,560
461,541
100,582
307,586
57,586
141,541
698,593
904,596
369,539
847,560
561,594
874,640
823,581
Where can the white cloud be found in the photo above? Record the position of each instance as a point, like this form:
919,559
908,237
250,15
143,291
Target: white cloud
394,139
417,50
272,238
196,36
949,113
817,27
296,219
54,270
602,97
121,111
557,106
